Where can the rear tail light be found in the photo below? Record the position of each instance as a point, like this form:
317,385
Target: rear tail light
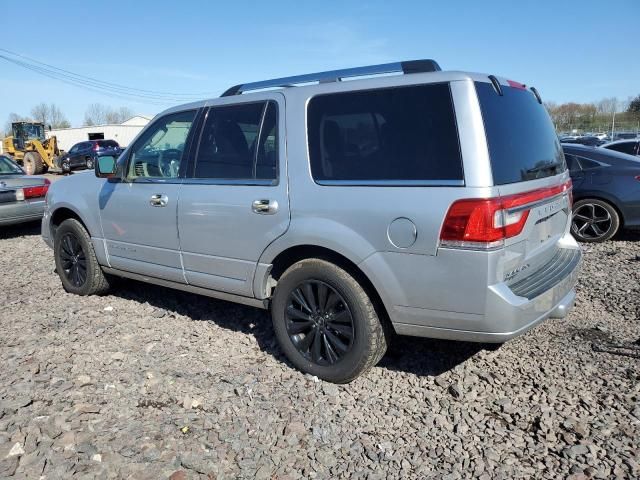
96,147
637,177
36,191
485,223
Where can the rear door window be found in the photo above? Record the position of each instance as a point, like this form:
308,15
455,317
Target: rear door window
523,144
239,142
404,134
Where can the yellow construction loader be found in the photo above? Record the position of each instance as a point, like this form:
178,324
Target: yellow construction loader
29,147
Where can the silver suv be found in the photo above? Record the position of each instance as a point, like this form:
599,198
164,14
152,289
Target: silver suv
427,203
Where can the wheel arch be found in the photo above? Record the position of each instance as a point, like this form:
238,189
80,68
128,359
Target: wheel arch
63,213
289,256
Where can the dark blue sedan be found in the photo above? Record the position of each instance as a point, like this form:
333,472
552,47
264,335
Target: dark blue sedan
606,191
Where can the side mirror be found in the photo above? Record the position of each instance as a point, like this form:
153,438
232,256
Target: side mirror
105,167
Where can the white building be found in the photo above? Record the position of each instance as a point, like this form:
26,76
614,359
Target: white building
122,133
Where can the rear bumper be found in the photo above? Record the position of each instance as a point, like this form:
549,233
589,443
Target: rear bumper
21,212
509,310
559,311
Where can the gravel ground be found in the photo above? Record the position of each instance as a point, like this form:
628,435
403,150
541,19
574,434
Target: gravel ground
153,383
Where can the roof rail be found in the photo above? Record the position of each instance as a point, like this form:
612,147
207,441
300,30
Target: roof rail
413,66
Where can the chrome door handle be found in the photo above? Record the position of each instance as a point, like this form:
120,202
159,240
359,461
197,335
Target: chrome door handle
264,207
159,200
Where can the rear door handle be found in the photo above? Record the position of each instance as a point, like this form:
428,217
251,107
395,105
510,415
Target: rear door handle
159,200
264,207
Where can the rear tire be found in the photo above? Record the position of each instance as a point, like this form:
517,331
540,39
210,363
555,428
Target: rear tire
32,163
76,261
594,220
89,163
325,322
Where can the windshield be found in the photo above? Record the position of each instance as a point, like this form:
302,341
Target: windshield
523,144
7,167
29,131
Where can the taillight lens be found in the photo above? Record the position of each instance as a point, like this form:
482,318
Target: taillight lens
96,147
36,191
487,222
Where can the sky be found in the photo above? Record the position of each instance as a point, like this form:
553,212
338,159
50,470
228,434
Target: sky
578,51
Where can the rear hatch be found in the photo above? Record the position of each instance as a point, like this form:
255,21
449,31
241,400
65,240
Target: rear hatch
529,169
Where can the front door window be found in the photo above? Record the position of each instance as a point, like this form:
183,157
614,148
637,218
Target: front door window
159,152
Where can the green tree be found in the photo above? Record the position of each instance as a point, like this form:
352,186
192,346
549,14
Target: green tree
634,106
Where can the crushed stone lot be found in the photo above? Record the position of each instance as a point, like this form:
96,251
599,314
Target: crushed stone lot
147,383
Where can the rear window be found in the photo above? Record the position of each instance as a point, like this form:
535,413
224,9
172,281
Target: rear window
405,134
625,147
108,144
523,144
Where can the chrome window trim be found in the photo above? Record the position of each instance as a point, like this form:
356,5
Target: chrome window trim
231,181
391,183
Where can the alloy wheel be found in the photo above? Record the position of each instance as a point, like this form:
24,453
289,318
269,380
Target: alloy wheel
74,261
591,221
319,322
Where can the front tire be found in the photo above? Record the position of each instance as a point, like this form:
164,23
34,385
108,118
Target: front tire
32,163
76,261
594,220
325,322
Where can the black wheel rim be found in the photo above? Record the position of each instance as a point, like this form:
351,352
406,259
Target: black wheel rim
319,323
73,259
591,221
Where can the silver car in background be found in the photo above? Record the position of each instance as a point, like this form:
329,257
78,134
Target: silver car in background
427,203
21,195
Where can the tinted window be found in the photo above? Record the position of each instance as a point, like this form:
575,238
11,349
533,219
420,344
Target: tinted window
158,153
233,145
587,164
624,147
523,144
108,144
572,163
406,133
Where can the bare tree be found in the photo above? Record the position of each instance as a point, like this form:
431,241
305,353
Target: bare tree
49,114
125,114
98,114
607,105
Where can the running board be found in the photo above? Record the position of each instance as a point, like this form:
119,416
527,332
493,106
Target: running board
228,297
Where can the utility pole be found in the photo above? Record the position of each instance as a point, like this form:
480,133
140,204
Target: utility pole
613,124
